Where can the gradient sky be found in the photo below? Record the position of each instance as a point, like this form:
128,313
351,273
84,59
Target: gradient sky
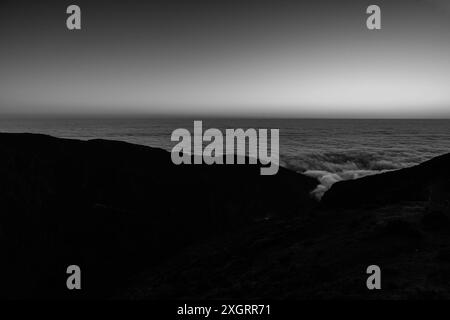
232,58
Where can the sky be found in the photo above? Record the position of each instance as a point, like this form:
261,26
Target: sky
257,58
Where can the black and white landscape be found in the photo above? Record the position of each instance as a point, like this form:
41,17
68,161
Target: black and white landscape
87,177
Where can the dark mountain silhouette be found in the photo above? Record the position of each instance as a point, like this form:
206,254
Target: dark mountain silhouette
113,208
142,228
398,220
412,183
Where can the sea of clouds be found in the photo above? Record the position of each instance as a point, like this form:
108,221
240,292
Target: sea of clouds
329,167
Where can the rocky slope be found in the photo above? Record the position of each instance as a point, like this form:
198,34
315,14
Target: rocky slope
324,256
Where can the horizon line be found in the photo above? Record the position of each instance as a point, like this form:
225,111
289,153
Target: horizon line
200,116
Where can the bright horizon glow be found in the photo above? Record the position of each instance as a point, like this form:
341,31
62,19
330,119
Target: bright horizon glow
323,66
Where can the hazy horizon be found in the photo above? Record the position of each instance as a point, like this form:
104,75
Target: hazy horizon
192,116
100,116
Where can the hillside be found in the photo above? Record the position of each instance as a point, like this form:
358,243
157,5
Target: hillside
114,208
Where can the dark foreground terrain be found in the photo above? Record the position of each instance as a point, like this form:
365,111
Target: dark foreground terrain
142,228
